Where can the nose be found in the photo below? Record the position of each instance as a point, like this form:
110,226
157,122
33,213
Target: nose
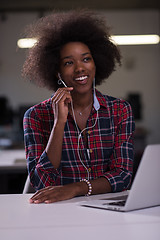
79,67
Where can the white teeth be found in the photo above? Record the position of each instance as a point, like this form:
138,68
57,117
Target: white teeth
80,78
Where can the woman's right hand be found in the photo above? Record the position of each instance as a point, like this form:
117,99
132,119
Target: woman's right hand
60,103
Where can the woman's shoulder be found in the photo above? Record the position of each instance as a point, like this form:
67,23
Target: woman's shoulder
116,107
39,109
111,101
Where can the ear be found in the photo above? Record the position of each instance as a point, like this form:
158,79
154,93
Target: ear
57,75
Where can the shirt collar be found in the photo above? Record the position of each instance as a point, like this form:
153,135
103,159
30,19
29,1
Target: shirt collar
96,103
99,100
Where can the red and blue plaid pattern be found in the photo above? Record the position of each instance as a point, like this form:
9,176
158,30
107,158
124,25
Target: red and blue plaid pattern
110,144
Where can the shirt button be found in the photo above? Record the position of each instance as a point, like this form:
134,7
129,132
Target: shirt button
90,150
89,169
89,132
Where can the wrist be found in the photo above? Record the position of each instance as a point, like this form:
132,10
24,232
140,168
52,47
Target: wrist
89,186
81,188
59,124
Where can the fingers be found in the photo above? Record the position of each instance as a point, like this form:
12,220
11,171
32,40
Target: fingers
43,195
60,102
53,194
47,195
60,93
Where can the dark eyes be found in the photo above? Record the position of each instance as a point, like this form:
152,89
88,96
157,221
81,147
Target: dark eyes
86,59
68,63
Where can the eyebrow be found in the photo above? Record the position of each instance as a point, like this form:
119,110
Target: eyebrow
83,54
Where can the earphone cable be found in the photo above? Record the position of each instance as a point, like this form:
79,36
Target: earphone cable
80,132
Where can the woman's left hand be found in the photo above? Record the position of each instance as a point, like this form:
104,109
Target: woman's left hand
54,194
59,193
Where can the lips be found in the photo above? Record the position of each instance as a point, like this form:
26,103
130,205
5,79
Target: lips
82,80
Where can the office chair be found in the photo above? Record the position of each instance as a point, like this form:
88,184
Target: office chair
27,187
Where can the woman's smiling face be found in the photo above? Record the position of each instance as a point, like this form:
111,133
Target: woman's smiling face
77,67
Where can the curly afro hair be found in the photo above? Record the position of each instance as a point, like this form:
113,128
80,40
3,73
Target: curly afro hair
55,30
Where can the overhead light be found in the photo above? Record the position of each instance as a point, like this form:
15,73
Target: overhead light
26,42
117,39
136,39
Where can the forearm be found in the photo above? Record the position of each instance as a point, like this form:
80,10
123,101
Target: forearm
59,193
54,145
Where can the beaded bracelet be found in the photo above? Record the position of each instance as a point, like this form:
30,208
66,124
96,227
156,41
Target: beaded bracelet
89,186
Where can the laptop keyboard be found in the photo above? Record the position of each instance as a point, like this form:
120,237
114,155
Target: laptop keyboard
120,203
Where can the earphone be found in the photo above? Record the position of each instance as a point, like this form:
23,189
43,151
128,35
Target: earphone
60,81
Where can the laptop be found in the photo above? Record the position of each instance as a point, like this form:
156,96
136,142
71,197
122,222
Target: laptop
145,189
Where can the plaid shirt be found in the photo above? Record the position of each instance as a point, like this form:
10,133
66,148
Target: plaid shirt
110,145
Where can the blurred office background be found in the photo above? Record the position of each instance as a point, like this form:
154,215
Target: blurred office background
137,80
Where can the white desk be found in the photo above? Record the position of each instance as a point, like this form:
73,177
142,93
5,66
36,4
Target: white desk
68,221
12,160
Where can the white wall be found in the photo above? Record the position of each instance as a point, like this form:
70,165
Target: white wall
140,70
18,90
138,74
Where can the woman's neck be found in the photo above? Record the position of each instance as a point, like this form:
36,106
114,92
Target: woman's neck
81,101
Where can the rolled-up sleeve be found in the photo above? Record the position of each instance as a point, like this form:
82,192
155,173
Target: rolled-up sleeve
41,171
121,165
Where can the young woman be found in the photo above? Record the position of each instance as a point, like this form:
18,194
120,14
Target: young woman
79,141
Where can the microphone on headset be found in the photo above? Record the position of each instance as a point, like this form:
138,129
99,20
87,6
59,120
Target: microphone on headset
60,81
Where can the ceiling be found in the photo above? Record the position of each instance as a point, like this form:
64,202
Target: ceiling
46,5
